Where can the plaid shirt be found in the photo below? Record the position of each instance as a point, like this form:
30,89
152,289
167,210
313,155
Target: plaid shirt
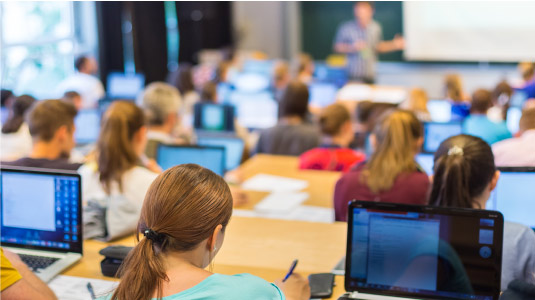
360,64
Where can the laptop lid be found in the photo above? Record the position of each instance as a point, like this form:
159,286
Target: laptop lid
213,117
423,252
322,94
210,157
440,110
233,149
436,133
426,161
41,209
87,123
514,196
255,110
125,86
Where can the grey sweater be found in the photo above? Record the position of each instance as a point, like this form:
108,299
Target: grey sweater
518,260
288,139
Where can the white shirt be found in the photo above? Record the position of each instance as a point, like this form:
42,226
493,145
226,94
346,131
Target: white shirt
516,152
88,86
16,145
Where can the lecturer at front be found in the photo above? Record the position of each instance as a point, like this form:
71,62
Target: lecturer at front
361,40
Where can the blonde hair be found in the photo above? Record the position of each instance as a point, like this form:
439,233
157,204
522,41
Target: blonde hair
396,133
417,101
454,87
527,69
159,100
332,118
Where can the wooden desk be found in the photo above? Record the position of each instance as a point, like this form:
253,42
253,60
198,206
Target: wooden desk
321,183
262,247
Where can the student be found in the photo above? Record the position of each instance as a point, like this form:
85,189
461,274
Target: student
161,103
19,282
183,81
334,154
7,98
501,96
281,78
74,98
465,176
305,68
528,75
115,181
184,220
16,138
391,174
84,82
478,123
460,107
51,125
520,151
291,136
417,103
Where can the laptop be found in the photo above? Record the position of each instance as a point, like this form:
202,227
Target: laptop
514,196
87,123
257,110
210,157
125,86
322,94
41,218
435,133
213,117
397,251
234,147
426,161
440,110
513,119
326,73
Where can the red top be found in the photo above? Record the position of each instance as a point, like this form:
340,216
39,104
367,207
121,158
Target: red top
330,159
409,188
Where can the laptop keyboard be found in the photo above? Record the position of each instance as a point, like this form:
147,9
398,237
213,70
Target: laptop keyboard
36,263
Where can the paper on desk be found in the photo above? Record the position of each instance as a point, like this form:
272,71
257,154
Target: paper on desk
75,288
280,202
300,213
272,183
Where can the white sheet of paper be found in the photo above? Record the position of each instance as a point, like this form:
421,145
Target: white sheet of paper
75,288
280,202
272,183
300,213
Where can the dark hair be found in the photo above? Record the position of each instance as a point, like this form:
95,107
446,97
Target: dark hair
332,118
4,95
501,96
481,101
368,113
464,166
183,78
80,61
47,116
17,112
182,208
294,101
209,92
69,95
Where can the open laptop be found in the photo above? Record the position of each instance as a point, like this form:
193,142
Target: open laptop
426,161
436,133
397,251
514,196
87,123
440,110
322,94
234,147
125,86
213,117
210,157
41,218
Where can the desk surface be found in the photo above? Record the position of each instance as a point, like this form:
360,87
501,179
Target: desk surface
262,247
321,183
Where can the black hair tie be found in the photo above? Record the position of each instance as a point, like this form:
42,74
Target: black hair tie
154,236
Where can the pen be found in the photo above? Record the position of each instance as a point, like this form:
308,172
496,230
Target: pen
290,272
91,291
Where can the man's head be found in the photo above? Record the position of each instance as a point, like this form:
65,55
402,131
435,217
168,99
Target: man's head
363,11
86,64
161,103
74,98
481,101
51,122
527,121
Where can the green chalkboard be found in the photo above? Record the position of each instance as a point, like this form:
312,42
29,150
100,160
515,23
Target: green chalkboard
319,21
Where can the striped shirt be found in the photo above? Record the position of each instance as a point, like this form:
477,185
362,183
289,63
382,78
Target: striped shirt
360,64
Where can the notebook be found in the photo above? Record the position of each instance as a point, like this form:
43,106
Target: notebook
210,157
397,251
41,218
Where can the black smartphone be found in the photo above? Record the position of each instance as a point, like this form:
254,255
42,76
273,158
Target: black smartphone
321,285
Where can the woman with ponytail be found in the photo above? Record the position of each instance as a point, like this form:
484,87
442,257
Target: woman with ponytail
465,176
16,138
117,177
391,174
183,223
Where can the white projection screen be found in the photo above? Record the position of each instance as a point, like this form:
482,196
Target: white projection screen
487,31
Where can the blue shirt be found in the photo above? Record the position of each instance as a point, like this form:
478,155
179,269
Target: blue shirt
481,126
228,287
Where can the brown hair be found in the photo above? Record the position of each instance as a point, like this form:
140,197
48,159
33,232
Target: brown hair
464,166
17,112
184,79
209,92
183,206
527,121
115,151
303,61
417,101
527,69
332,118
47,116
396,134
294,101
454,88
481,101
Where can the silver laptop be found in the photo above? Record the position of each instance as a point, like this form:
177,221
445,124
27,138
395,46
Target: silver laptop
41,218
397,251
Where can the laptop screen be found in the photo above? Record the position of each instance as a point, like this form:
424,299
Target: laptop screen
255,110
214,117
123,86
322,94
233,149
419,251
513,119
440,110
47,215
87,123
514,196
436,133
426,161
212,158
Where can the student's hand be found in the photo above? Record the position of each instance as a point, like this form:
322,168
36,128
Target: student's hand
360,45
152,165
295,288
398,42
